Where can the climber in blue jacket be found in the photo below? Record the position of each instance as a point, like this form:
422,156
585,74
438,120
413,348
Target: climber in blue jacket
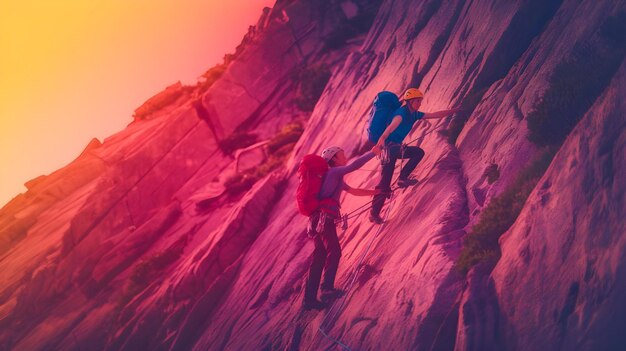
391,140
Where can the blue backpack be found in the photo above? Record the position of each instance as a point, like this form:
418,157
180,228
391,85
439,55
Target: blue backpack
385,104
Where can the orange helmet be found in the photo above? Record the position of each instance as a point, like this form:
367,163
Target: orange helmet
412,93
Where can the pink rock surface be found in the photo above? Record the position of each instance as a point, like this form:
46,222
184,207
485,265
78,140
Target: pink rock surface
562,266
139,245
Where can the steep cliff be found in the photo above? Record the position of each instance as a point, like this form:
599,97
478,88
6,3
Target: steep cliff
156,238
560,274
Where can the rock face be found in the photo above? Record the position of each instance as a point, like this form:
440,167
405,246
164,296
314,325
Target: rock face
561,271
143,242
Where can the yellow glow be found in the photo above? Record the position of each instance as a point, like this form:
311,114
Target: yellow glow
74,70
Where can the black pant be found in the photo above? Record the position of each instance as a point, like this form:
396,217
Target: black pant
325,257
413,153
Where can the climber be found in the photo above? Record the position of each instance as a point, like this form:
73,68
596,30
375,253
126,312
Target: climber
322,227
391,142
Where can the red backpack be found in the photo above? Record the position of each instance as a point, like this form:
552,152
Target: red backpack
311,173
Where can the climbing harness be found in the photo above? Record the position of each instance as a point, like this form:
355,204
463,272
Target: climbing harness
384,156
358,211
319,227
320,222
385,153
333,312
368,205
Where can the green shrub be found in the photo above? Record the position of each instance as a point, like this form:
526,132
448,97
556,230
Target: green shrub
145,272
577,82
212,75
163,99
278,147
285,149
481,244
573,87
310,82
243,181
150,266
237,140
288,134
271,164
228,58
240,182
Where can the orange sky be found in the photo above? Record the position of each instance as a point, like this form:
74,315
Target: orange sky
71,70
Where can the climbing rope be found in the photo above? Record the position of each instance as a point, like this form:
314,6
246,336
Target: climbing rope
358,211
333,312
343,219
425,134
406,144
371,170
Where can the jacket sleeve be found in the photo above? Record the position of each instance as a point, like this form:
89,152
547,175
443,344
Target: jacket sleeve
356,163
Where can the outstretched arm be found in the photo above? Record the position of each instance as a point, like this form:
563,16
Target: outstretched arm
361,192
354,164
440,114
395,122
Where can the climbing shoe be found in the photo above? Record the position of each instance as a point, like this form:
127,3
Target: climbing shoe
331,294
314,305
376,219
406,182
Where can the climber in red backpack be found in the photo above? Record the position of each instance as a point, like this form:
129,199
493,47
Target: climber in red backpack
318,196
398,125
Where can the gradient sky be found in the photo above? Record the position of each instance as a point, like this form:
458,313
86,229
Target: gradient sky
72,70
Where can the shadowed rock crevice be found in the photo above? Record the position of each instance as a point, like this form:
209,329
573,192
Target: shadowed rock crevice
480,324
429,10
568,306
199,315
203,114
438,46
439,326
527,23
